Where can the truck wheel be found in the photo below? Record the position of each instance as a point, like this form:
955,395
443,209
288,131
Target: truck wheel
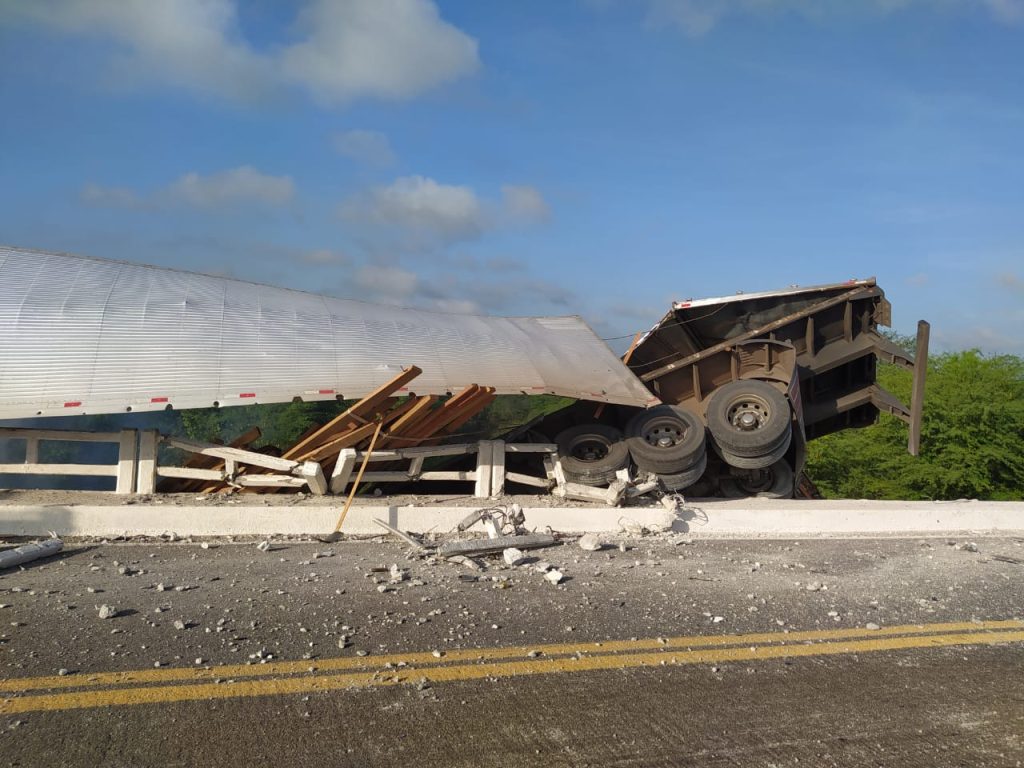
665,439
591,454
680,480
756,462
774,482
749,418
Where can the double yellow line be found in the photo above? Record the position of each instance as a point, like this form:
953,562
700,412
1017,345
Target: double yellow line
152,686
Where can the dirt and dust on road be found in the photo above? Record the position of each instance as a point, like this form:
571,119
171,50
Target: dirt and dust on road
645,650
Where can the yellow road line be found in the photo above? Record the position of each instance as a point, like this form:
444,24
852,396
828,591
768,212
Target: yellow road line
372,663
438,674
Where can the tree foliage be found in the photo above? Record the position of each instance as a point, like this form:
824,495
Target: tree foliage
972,437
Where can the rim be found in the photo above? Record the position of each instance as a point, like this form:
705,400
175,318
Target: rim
755,480
588,448
749,413
664,433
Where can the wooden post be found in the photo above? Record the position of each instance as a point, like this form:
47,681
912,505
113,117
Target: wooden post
149,442
917,393
127,456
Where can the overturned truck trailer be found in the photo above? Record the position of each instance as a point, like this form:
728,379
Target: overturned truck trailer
720,397
745,381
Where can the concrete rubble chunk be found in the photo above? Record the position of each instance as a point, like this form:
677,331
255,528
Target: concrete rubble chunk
590,542
179,624
499,544
513,556
264,546
871,625
107,611
554,576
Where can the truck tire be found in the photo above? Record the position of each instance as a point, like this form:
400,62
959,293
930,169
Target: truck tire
591,454
679,480
749,418
665,439
774,482
756,462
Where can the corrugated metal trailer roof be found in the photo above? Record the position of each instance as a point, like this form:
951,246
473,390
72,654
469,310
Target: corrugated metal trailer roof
84,335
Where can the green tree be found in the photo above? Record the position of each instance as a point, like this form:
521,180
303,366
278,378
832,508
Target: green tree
972,437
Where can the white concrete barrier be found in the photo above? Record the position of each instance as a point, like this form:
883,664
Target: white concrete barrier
747,517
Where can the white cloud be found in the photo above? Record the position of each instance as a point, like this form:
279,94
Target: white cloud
242,185
424,212
368,147
378,48
421,206
323,257
698,17
116,197
1011,282
524,203
388,48
238,185
386,283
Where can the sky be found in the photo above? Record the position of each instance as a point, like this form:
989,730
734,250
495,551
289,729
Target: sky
593,157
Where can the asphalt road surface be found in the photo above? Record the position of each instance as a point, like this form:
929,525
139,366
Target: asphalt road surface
676,652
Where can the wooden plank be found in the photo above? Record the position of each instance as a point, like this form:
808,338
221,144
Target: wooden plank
405,426
354,416
32,450
127,453
486,397
917,391
239,455
346,440
441,416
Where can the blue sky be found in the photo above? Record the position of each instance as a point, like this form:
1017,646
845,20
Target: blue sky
599,157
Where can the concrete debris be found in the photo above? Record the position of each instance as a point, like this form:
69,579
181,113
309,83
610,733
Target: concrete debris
513,556
871,625
107,611
969,546
469,562
180,625
30,552
554,576
632,527
397,574
491,546
264,546
590,542
815,586
408,539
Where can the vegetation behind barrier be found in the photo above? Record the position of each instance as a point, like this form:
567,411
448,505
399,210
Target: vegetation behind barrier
972,437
